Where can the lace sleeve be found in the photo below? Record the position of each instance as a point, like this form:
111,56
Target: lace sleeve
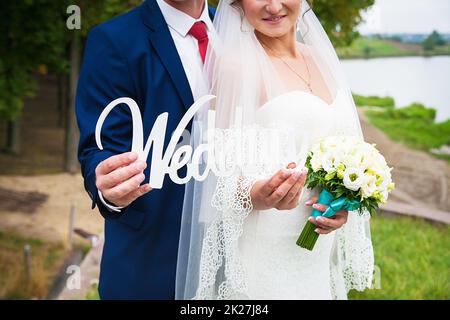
219,257
233,193
352,260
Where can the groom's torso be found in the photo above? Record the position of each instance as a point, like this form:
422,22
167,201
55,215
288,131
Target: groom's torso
139,257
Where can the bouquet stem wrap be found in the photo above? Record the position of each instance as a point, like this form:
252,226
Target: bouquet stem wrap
308,236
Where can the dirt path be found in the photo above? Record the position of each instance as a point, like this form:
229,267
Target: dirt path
51,219
38,169
418,175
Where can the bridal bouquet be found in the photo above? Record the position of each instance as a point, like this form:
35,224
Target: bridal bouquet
352,174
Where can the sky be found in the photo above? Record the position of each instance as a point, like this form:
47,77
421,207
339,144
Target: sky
407,16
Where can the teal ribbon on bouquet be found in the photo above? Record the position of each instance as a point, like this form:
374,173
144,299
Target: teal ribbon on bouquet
334,205
308,236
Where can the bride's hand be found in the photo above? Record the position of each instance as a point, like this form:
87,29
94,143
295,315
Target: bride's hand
326,225
282,191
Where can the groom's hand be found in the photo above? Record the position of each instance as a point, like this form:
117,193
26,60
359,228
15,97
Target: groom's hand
326,225
282,191
119,179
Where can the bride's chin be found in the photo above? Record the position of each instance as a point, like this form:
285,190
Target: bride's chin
273,33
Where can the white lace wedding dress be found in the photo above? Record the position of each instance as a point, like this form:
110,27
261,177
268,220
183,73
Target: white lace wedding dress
249,254
284,270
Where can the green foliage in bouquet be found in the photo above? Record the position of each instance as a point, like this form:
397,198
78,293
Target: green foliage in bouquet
333,183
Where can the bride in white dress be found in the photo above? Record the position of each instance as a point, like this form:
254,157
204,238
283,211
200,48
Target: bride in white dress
279,89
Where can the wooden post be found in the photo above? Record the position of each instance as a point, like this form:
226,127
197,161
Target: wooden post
71,224
27,262
72,133
13,136
62,100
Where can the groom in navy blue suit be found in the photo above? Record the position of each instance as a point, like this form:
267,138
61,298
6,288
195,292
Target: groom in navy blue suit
137,55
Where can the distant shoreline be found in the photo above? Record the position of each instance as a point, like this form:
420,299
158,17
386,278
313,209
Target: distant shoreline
373,48
407,55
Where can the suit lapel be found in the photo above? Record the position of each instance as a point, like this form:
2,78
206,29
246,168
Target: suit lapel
212,12
164,46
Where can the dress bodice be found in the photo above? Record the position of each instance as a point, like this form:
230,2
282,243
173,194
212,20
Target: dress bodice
306,116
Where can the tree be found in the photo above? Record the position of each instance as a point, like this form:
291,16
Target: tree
433,40
367,50
340,18
34,33
26,41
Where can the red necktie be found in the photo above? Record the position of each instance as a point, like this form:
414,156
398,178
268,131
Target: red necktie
198,31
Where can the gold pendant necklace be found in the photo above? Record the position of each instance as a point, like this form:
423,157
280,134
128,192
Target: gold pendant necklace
307,82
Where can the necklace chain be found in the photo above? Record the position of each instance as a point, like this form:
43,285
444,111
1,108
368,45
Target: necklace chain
307,82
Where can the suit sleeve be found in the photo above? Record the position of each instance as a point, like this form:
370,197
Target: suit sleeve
104,77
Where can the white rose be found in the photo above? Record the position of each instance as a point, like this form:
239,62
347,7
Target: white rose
316,161
330,161
378,159
352,160
353,178
369,186
366,152
385,172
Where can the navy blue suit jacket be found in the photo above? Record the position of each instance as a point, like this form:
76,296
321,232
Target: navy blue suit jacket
133,55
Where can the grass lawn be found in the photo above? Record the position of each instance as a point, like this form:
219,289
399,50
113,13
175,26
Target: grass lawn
93,294
412,254
443,49
413,125
374,101
47,259
413,132
414,259
363,47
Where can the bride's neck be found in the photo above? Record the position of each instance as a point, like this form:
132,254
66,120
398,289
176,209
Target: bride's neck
285,46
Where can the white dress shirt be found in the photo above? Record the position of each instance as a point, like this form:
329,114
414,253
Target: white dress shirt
179,24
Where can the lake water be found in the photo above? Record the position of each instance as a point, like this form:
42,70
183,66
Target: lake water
407,80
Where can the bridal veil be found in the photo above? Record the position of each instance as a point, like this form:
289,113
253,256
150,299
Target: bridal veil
242,77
